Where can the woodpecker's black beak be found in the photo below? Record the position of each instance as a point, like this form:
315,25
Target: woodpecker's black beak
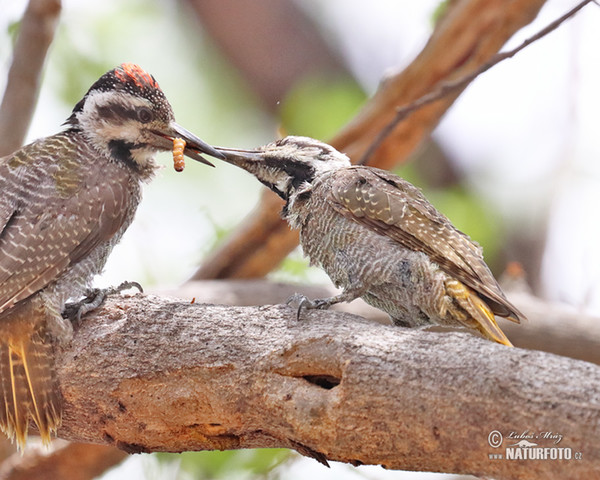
269,172
193,145
239,157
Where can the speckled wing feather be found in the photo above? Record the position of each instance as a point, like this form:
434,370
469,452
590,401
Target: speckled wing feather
40,239
395,208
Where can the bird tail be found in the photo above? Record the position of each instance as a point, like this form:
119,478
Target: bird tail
480,316
28,384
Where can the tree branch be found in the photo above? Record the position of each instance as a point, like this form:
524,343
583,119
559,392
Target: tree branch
24,77
551,327
147,374
459,84
64,460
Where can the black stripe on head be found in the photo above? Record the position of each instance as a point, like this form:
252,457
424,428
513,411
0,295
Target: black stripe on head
114,112
298,171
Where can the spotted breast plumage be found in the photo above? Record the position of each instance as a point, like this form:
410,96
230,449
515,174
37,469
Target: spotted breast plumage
66,201
378,238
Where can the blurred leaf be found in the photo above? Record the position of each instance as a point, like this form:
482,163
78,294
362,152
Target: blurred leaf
470,216
229,464
13,31
220,233
318,107
439,11
293,268
78,69
80,72
82,60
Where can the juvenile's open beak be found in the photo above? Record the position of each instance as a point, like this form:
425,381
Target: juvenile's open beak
193,145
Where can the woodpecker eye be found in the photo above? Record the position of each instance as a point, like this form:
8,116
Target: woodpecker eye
144,115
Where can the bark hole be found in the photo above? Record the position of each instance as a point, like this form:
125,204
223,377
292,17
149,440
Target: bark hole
324,381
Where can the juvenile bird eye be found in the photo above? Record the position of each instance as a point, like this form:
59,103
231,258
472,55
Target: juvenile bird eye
144,115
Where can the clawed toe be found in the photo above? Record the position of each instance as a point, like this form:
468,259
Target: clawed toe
124,286
95,297
305,302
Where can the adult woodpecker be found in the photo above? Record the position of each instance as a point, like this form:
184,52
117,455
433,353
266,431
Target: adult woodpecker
378,238
65,201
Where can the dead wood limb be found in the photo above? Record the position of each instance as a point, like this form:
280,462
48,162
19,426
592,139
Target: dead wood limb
24,77
64,461
470,33
456,85
148,374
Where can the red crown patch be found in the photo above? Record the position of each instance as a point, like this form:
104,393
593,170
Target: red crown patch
131,71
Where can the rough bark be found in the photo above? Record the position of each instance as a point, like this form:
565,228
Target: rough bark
551,327
471,32
24,77
147,374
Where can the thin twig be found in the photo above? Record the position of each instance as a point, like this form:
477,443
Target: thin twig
24,77
455,85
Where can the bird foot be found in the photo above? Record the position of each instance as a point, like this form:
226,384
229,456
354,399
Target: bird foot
94,297
304,302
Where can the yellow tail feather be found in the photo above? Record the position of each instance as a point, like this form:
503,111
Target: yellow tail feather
27,387
488,324
482,318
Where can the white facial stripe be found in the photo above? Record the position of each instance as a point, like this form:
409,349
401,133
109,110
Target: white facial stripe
97,99
108,128
106,117
128,131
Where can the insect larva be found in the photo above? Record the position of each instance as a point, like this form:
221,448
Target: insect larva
178,160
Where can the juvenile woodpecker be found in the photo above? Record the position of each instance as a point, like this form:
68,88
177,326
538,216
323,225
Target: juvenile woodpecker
378,238
65,201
